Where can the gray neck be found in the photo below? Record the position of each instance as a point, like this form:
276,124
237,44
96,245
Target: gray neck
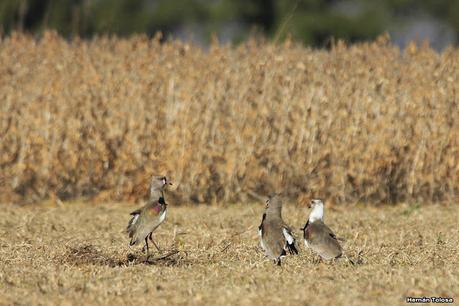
156,194
274,211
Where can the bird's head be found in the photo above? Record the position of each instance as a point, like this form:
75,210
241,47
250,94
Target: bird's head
315,202
158,182
317,212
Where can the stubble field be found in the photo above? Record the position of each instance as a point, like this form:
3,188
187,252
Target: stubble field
77,254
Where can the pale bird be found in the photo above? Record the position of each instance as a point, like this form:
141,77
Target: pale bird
146,219
318,236
276,238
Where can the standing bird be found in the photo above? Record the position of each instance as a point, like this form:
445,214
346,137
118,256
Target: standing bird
146,219
276,237
319,237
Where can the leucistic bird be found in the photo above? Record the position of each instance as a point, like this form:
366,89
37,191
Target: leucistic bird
318,236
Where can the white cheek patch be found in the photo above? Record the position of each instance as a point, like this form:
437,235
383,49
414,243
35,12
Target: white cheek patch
288,236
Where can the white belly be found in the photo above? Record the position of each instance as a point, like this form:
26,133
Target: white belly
261,240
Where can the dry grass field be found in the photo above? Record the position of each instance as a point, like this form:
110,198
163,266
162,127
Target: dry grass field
77,254
95,118
85,122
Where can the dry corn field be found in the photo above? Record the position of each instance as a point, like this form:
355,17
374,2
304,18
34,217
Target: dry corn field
94,119
77,254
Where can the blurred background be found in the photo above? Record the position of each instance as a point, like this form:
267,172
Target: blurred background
257,111
312,22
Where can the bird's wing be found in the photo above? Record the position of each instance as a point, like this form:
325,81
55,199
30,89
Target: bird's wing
317,230
329,248
136,212
331,233
323,240
288,234
273,239
328,231
289,239
133,223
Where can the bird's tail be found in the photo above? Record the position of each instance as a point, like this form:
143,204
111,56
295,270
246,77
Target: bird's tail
132,242
130,229
292,249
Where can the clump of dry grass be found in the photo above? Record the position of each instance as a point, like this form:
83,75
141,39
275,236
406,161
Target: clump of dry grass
97,118
79,254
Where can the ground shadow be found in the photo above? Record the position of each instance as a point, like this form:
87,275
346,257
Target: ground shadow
169,258
90,255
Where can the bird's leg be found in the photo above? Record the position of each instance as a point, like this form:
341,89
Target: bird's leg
154,243
146,247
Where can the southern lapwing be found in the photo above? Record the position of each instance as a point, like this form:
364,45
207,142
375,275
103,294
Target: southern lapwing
276,238
146,219
318,236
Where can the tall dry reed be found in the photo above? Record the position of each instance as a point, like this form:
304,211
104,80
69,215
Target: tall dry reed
96,118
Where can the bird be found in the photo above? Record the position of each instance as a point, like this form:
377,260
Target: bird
318,236
147,218
276,238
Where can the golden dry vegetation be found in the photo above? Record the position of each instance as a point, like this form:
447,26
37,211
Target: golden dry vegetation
94,119
77,254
